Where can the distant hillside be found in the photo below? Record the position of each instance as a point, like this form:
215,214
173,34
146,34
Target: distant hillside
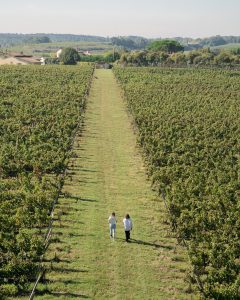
136,42
12,39
230,47
47,49
127,42
214,41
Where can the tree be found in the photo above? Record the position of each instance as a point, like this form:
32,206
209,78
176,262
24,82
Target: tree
131,42
139,58
111,57
179,58
201,56
51,61
156,58
69,56
169,46
123,42
37,40
215,41
223,58
236,51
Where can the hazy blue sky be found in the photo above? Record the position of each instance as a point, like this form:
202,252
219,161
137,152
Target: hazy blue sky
150,18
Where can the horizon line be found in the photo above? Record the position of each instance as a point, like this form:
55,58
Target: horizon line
108,36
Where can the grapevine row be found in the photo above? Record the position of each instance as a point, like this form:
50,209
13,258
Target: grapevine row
39,110
188,127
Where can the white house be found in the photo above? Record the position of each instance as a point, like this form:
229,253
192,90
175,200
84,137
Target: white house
87,53
59,53
42,60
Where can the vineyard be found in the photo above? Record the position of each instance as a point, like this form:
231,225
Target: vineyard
188,127
40,110
187,123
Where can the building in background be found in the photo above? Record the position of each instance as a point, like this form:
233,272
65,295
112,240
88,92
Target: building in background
59,52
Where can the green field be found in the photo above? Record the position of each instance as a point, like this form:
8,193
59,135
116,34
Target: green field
51,48
227,47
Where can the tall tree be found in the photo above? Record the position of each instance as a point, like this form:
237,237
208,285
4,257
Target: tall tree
169,46
69,56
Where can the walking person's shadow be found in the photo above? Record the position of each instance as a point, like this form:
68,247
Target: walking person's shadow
140,242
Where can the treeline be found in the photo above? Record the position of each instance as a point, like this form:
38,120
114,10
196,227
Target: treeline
108,57
70,56
214,41
11,39
201,57
171,54
37,40
132,43
122,42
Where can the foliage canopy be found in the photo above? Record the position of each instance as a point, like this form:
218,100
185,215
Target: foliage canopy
69,56
40,110
169,46
188,127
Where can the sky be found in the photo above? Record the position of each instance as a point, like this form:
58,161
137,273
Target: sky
149,18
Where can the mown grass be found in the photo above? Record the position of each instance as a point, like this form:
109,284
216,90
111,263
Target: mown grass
227,47
107,174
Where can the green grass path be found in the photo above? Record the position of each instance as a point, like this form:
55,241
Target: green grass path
108,175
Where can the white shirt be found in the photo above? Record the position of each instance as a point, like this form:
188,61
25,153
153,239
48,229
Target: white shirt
112,220
127,224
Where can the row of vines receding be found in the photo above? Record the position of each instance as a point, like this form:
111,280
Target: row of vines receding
40,108
188,126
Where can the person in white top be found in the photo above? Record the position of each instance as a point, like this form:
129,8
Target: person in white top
112,221
127,222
